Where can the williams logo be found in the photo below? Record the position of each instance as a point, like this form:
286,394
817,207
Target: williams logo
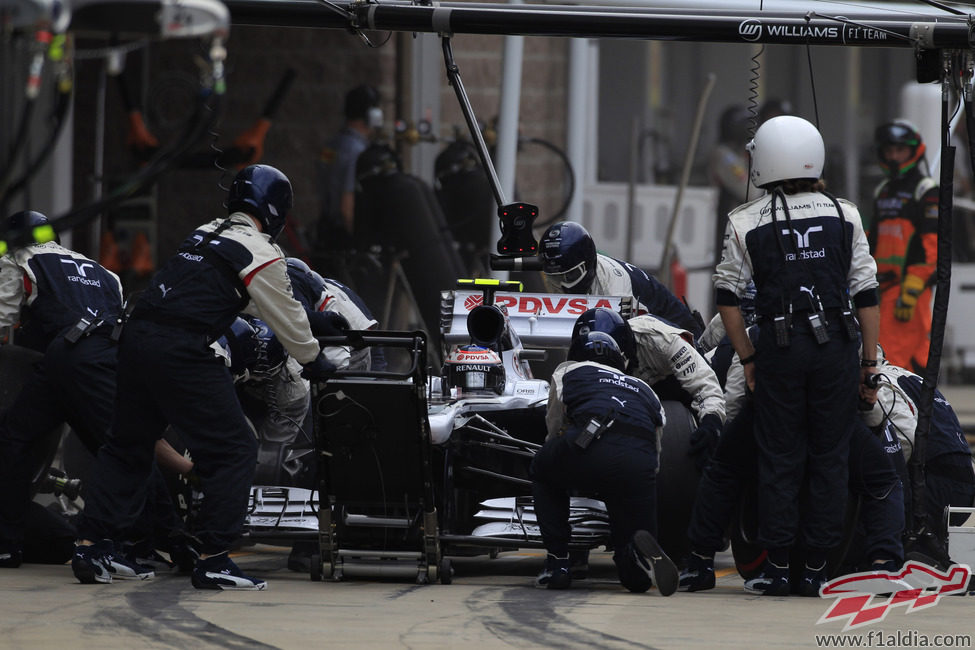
750,30
803,32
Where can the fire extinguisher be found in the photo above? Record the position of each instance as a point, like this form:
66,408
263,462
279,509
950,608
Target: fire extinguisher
678,278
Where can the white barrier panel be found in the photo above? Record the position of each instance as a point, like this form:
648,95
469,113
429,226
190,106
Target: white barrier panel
961,539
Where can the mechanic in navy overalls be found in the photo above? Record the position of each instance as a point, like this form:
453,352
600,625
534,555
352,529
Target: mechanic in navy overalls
603,439
330,304
572,265
169,373
814,278
873,477
948,473
66,306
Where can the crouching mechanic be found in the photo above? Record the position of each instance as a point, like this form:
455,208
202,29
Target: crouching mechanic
664,356
169,374
603,432
949,477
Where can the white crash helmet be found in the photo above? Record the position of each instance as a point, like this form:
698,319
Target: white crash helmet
881,357
786,147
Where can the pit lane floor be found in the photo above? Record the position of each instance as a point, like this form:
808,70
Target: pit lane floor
491,604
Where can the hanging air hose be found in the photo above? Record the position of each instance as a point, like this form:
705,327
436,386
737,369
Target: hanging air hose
38,54
213,86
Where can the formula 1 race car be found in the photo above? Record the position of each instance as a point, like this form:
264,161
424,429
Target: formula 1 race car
486,432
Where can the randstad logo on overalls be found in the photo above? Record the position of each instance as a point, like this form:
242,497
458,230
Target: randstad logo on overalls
802,242
82,277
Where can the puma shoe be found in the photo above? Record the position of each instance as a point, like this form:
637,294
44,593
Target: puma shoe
812,580
555,575
220,572
100,562
699,573
87,565
652,559
772,581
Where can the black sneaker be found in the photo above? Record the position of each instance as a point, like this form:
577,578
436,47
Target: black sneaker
183,552
772,581
555,575
119,566
888,570
101,563
299,559
11,559
144,554
652,559
87,565
220,572
812,581
698,575
579,564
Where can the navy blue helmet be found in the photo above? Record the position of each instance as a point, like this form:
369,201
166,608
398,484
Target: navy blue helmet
265,193
569,256
599,347
601,319
28,219
298,264
747,305
306,285
255,352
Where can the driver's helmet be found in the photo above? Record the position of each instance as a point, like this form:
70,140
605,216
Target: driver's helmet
255,352
473,369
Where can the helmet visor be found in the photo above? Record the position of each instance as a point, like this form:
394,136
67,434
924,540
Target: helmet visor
896,133
472,380
572,277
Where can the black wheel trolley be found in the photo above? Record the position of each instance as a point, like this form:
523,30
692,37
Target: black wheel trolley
378,514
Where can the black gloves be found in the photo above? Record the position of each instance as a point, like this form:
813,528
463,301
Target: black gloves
704,439
327,323
318,370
